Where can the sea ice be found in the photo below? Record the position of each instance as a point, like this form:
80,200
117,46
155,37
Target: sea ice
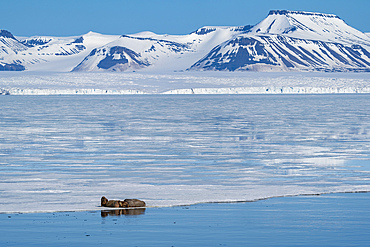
62,153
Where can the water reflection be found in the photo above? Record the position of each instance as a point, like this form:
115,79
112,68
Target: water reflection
119,212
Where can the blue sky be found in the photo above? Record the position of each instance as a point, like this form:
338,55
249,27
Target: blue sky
76,17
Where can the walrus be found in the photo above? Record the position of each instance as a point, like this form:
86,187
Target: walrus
104,202
127,203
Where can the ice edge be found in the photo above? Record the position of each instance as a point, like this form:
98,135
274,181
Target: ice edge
99,208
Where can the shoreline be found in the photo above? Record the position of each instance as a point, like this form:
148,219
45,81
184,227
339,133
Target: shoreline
285,90
110,83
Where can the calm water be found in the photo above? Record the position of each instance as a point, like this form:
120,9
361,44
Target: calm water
68,151
328,220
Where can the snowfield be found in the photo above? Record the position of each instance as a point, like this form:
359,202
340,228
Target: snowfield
31,83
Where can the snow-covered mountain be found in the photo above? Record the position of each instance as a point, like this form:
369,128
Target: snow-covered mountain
293,41
152,52
283,41
43,53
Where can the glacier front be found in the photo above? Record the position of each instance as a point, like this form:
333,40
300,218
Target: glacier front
32,83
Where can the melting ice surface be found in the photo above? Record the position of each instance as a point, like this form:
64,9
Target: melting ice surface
61,153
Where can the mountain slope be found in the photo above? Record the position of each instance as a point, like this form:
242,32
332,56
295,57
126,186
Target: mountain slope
10,47
116,58
60,53
281,53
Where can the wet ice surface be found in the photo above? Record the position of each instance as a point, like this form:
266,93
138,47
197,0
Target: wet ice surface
61,153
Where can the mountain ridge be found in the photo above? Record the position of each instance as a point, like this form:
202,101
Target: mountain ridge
284,12
283,41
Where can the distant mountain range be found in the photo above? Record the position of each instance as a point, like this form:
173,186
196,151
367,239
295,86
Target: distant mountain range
283,41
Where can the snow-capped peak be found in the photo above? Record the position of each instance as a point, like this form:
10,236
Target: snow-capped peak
309,25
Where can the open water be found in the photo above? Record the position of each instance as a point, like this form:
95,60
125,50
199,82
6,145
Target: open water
326,220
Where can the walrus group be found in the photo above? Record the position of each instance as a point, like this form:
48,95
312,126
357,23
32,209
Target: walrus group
127,203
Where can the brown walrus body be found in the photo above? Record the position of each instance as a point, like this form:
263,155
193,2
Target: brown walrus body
113,204
127,203
131,203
